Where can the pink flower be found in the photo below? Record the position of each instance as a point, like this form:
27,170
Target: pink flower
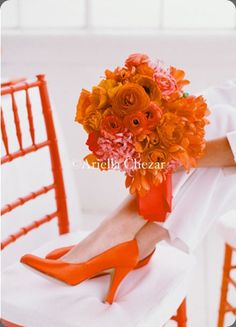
166,83
159,67
119,148
136,59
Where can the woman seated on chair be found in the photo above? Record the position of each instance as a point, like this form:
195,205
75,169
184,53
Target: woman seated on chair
125,241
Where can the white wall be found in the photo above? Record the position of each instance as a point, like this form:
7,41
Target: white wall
79,60
75,60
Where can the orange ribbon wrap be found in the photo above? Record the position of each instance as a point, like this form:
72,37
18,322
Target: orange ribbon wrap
157,202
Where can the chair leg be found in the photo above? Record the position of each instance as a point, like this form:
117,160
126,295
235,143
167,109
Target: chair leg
224,285
181,316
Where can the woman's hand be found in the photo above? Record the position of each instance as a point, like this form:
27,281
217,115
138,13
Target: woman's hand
217,153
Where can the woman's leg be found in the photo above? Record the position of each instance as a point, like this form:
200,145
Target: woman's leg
120,227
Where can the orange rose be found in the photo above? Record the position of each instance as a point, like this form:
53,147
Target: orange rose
153,115
149,86
99,97
135,122
130,97
111,124
155,155
92,121
83,103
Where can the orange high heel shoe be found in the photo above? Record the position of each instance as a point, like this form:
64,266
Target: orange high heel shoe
119,260
58,253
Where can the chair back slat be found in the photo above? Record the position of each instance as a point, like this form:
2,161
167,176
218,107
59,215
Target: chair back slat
16,121
25,230
4,133
30,116
27,150
22,200
50,142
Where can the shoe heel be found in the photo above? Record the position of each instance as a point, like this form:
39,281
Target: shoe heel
117,275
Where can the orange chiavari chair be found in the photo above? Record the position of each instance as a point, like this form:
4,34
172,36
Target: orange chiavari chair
51,143
61,214
227,279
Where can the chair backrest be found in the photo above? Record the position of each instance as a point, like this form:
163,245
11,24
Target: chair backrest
57,185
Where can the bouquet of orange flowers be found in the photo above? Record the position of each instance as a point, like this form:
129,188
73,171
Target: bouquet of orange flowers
140,121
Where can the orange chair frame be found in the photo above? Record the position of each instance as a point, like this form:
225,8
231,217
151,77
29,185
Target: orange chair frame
51,142
58,184
225,306
181,315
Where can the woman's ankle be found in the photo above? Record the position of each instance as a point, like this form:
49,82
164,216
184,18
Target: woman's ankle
148,237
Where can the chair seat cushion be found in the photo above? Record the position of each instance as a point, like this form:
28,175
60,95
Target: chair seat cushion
151,294
227,227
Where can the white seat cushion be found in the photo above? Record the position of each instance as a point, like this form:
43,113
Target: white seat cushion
227,227
147,297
